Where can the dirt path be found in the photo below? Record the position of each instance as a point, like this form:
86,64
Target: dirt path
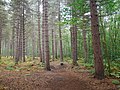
59,78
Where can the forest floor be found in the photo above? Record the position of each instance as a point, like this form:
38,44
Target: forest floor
30,76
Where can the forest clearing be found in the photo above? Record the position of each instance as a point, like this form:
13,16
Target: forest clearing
59,44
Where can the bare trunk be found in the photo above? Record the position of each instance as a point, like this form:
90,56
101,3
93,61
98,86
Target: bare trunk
53,45
47,57
33,43
74,37
17,43
0,39
74,44
17,11
60,36
39,34
20,38
13,39
43,32
23,37
98,61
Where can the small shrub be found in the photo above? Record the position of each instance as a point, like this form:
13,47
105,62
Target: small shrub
116,82
9,68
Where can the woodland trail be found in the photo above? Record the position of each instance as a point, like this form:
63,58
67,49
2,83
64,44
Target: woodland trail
59,78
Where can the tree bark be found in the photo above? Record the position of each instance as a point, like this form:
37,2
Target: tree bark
33,40
43,32
39,34
60,37
23,36
74,44
53,45
13,39
17,12
0,39
20,37
47,57
98,61
74,38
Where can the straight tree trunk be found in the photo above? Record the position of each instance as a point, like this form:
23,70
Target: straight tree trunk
17,43
53,45
33,41
13,40
20,37
39,34
55,38
23,35
74,38
74,44
17,12
0,39
60,36
43,33
47,57
98,61
33,45
71,40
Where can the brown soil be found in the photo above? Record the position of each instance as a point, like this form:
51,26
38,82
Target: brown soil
59,78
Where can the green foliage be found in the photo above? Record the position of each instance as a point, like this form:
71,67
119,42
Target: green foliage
10,68
115,69
117,75
92,71
68,59
88,65
116,82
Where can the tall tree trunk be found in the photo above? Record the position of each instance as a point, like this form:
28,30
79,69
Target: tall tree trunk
74,44
71,40
17,42
60,36
53,45
98,61
33,41
0,39
43,32
17,11
13,39
23,35
47,57
20,38
39,34
33,45
74,38
55,38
